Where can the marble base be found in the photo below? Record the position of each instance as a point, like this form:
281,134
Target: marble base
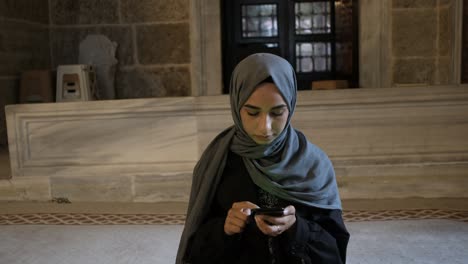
384,143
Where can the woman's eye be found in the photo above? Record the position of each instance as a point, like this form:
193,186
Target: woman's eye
280,113
252,113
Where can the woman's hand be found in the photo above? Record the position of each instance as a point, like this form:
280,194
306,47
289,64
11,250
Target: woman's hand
275,225
237,217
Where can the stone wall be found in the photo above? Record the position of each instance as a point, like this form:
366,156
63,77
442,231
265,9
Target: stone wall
464,70
422,39
24,45
153,38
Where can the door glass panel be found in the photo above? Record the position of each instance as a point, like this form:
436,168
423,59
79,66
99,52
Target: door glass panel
313,57
312,18
259,21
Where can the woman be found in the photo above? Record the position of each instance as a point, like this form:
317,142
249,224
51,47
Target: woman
263,162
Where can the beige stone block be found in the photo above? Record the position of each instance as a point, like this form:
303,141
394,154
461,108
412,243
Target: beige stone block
163,43
163,188
34,11
414,32
444,70
154,10
413,71
23,46
446,3
123,36
65,44
25,189
414,3
72,12
446,28
98,188
148,83
374,29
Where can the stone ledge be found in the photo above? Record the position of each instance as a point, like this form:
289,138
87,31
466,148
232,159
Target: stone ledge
179,219
176,208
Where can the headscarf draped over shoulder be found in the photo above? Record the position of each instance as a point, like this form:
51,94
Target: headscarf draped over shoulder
290,167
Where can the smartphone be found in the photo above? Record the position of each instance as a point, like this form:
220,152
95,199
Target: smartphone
275,211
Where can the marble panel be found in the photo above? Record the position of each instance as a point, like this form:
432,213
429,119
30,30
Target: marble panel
414,71
388,131
25,189
97,188
213,116
357,127
114,137
384,143
405,179
403,187
414,32
163,43
163,188
72,12
154,10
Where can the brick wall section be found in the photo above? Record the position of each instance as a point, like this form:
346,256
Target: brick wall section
422,37
464,73
24,45
153,38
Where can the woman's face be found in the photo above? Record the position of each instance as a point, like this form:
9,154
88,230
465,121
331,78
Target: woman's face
265,114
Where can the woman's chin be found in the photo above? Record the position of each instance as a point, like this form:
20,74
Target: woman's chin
263,141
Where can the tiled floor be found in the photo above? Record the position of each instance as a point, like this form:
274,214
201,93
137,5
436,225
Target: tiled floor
383,231
375,242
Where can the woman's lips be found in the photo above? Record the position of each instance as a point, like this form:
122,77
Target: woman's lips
264,138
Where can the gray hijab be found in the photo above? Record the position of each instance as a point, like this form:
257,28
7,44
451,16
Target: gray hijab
290,167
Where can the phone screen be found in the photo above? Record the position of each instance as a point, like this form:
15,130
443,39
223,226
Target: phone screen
276,211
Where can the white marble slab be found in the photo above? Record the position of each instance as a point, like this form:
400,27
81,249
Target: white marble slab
125,137
384,143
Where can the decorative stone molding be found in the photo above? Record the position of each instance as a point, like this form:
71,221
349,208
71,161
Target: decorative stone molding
108,138
384,143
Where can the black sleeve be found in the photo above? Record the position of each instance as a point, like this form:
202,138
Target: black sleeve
211,245
319,236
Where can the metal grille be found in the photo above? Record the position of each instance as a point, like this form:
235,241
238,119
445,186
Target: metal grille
312,18
259,21
313,57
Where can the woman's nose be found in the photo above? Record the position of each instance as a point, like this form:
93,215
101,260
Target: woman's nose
265,124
